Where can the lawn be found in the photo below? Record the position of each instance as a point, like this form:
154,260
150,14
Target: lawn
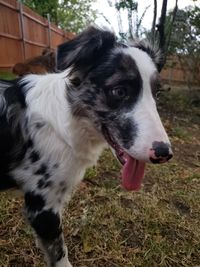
7,75
105,226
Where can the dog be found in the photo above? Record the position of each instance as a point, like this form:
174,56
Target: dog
54,126
36,65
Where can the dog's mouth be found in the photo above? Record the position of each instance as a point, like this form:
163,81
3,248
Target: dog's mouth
133,169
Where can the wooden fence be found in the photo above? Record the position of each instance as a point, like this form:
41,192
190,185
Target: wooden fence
180,71
24,34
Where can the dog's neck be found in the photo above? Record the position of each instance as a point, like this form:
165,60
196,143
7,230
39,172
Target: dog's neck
85,140
47,101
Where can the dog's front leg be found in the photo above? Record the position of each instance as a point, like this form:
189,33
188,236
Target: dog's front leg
47,226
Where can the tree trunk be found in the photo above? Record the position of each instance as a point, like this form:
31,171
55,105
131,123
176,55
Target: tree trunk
161,25
161,32
154,21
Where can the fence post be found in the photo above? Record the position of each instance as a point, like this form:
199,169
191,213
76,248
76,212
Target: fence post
22,28
49,30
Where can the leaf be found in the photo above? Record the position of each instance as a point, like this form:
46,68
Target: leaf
87,245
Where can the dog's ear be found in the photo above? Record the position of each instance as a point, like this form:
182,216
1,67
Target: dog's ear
152,50
85,49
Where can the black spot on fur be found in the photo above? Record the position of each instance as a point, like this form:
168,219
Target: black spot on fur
42,170
34,202
102,114
29,143
62,183
14,95
12,145
41,184
48,184
34,156
62,188
47,225
26,126
44,184
47,176
55,166
126,131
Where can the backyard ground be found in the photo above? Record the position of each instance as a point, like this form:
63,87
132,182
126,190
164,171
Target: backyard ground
105,226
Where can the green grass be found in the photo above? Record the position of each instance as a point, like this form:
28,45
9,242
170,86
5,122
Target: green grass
7,75
106,226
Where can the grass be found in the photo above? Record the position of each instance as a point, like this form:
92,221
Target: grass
7,75
106,226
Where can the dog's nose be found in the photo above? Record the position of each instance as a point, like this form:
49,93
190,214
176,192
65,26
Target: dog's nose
160,152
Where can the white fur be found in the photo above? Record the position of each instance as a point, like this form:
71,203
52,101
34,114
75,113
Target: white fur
145,114
64,262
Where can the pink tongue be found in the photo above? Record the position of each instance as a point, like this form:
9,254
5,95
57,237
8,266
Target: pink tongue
132,173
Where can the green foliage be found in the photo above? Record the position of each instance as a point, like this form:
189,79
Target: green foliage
129,9
127,4
75,15
44,7
71,15
185,38
7,75
186,31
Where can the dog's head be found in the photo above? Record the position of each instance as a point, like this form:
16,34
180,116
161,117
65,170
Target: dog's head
113,85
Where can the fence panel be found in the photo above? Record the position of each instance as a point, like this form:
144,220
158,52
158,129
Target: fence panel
24,34
175,73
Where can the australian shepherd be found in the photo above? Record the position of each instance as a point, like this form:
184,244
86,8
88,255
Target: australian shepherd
54,126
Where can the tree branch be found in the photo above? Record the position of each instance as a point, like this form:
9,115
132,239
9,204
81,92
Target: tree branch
161,25
154,21
140,20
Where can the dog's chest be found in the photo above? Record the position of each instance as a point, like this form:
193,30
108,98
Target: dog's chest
50,162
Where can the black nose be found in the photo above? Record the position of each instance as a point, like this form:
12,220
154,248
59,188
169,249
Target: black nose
160,152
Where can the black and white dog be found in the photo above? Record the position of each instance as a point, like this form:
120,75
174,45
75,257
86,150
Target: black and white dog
54,126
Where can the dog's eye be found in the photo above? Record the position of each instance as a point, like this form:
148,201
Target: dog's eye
118,92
